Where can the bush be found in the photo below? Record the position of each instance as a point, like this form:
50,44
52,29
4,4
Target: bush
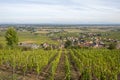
48,48
68,44
23,48
112,46
1,46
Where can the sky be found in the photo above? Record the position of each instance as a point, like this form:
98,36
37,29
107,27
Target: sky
60,11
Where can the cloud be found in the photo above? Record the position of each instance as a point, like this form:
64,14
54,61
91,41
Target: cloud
60,11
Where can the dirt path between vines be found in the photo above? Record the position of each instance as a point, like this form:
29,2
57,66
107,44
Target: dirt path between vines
60,72
75,74
118,76
8,75
45,71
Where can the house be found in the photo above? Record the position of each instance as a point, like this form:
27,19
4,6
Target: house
30,45
118,46
45,45
61,46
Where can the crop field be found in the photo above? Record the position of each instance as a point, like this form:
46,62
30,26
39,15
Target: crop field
72,63
27,36
68,64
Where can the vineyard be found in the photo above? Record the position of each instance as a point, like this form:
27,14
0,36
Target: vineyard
64,64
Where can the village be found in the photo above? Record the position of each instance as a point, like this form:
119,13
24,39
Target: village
85,40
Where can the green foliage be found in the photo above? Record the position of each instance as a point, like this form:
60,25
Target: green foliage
67,68
26,61
1,46
54,65
112,46
24,48
11,37
68,44
102,64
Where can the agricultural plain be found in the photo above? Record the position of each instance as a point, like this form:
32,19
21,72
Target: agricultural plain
61,53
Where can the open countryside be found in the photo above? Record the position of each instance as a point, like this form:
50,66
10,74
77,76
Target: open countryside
59,39
56,53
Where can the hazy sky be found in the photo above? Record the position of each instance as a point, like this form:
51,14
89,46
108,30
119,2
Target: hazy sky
60,11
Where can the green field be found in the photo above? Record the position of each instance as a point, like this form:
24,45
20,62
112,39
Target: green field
101,64
60,63
28,36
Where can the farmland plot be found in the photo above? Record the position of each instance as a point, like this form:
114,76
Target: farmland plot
64,64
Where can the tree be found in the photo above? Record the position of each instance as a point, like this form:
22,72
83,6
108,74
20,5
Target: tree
11,37
112,46
68,44
1,46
